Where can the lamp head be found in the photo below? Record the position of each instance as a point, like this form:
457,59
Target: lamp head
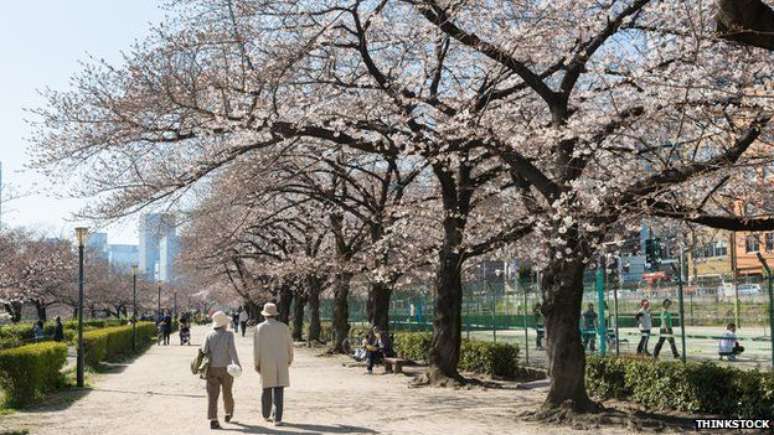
134,269
81,233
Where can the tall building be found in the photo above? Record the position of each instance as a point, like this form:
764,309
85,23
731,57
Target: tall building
98,243
157,230
122,256
1,195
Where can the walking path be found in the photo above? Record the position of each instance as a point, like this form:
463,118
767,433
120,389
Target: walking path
157,394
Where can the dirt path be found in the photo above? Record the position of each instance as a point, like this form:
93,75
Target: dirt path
156,394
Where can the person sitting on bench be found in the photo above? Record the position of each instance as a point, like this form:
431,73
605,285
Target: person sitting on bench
728,345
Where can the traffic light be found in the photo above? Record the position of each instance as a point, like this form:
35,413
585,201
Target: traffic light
653,252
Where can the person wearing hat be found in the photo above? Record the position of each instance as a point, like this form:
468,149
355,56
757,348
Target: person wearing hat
219,346
273,354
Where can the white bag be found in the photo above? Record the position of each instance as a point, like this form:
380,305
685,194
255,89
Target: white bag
234,370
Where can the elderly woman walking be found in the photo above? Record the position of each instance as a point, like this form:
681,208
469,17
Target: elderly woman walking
273,354
219,347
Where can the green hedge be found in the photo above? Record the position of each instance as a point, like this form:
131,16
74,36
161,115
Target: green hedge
693,387
413,345
22,333
111,343
496,359
28,372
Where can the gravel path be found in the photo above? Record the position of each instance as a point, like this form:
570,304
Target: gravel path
156,394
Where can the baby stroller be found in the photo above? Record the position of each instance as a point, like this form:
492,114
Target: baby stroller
185,335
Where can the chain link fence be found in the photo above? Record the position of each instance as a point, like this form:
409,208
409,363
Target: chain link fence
505,312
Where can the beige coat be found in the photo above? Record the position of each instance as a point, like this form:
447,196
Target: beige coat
273,352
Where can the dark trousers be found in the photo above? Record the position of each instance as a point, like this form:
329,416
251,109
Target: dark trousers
589,338
661,343
166,336
539,339
373,358
644,337
273,396
244,327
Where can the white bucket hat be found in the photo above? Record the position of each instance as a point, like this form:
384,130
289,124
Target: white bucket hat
219,319
269,310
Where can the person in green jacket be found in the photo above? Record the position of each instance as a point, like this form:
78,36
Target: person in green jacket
665,333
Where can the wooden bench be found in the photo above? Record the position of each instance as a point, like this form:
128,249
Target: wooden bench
394,365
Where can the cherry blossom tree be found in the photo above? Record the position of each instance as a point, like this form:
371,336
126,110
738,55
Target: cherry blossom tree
559,122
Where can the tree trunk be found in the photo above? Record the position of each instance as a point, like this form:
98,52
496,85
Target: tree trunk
379,305
447,321
75,313
314,309
252,309
749,22
562,286
14,309
285,304
341,313
40,308
298,318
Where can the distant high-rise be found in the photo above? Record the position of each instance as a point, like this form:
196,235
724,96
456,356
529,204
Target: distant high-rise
1,195
122,256
98,243
157,230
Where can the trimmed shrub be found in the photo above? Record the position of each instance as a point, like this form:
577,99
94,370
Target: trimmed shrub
693,387
495,359
413,345
28,372
111,343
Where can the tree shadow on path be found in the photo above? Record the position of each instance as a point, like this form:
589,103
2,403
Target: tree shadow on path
308,429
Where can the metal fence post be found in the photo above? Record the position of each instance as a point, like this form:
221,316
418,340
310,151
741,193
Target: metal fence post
771,304
601,324
681,301
526,328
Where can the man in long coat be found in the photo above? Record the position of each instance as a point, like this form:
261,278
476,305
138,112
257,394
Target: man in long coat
273,352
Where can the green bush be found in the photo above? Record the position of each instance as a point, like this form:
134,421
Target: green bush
111,343
413,345
692,387
28,372
22,333
495,359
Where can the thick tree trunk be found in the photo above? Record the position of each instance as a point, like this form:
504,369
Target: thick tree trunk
749,22
14,309
341,313
379,305
298,318
252,309
562,286
40,308
314,309
285,304
447,321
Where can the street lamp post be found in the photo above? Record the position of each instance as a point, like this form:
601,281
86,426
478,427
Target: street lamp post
134,309
80,233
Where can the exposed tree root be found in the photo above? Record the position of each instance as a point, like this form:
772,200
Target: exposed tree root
434,377
570,415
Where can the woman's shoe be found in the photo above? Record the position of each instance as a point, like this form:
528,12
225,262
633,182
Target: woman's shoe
228,418
214,424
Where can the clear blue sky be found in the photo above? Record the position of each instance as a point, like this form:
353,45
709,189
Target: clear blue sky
41,42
